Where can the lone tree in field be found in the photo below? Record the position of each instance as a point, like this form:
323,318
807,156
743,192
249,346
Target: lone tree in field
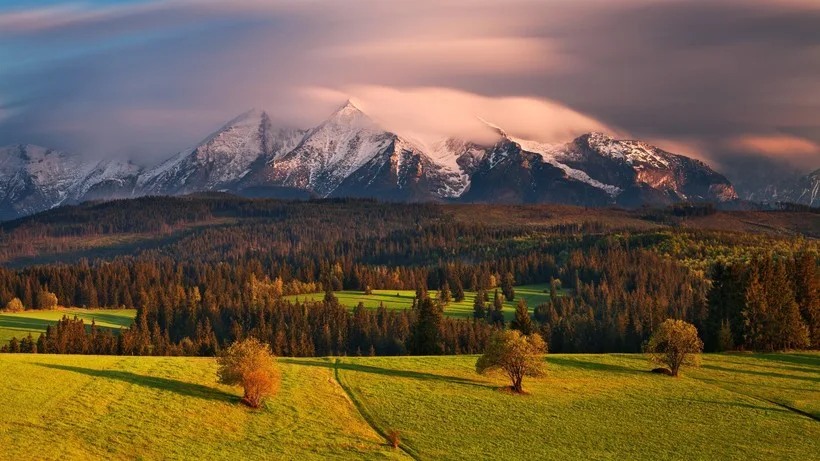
674,344
514,354
250,364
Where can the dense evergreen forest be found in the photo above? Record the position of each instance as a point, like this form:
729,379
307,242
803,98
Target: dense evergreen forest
205,270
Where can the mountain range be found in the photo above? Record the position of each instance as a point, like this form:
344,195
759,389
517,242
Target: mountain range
350,155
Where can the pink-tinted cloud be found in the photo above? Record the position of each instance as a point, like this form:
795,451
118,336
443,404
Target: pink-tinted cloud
779,146
484,54
430,114
151,78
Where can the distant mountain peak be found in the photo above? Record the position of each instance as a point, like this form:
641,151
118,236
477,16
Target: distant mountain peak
349,155
349,114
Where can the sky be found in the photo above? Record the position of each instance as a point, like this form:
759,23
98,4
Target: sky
733,82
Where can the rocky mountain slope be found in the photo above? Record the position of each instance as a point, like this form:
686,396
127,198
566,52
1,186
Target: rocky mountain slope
351,155
804,190
34,178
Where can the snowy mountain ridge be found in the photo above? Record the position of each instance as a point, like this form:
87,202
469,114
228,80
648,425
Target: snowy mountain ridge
350,155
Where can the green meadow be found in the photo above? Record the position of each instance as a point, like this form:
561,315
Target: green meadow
20,324
403,299
735,406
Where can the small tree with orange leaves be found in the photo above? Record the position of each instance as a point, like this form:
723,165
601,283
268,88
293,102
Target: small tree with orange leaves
250,364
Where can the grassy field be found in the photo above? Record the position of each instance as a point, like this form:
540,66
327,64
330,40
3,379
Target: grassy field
403,299
589,407
35,322
20,324
597,407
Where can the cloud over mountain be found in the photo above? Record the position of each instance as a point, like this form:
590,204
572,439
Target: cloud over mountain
142,79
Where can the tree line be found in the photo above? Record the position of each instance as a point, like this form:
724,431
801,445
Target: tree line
201,291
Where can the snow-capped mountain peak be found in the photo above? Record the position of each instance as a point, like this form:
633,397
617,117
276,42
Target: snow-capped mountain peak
222,158
350,154
34,178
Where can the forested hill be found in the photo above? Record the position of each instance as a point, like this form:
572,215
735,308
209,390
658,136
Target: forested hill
204,270
172,225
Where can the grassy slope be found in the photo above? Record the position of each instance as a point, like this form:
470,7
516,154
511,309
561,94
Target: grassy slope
590,407
597,407
20,324
533,294
157,408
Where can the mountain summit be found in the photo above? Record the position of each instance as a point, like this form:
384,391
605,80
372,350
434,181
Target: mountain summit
350,155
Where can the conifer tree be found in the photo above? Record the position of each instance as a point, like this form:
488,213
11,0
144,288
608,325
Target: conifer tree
444,295
789,330
427,333
756,314
806,281
522,321
507,287
459,292
497,312
479,306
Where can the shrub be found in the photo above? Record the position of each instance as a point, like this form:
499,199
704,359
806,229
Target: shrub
394,437
250,364
46,300
674,344
15,305
514,354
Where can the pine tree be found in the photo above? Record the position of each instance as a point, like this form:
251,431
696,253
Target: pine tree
790,331
479,306
756,314
459,292
497,312
421,289
444,295
427,331
522,321
725,338
806,282
507,287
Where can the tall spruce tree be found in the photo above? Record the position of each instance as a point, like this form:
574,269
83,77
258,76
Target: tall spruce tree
756,314
508,286
522,321
444,294
789,331
497,312
427,331
806,281
479,306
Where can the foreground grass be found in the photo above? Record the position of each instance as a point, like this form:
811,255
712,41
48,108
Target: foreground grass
81,407
597,407
20,324
589,407
403,299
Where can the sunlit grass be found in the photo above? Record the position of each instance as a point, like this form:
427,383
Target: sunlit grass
597,407
736,406
20,324
80,407
403,299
